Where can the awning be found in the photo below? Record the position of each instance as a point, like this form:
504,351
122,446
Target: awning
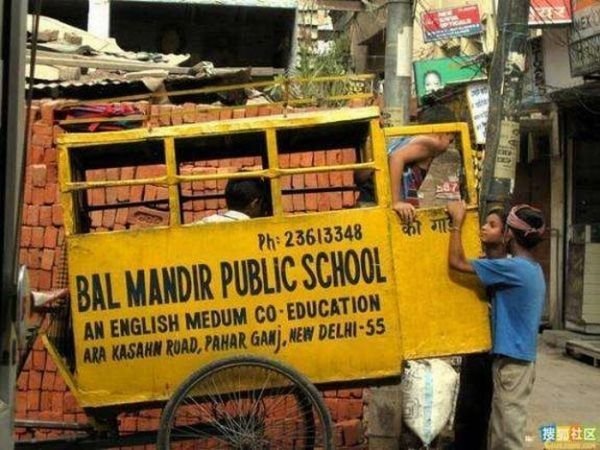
287,4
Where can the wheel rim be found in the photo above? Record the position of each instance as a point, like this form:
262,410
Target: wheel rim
244,406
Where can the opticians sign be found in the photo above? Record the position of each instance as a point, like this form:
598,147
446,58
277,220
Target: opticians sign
449,23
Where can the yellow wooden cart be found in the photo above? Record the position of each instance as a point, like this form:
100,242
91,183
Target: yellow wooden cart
227,322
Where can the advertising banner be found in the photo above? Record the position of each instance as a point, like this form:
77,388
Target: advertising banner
449,23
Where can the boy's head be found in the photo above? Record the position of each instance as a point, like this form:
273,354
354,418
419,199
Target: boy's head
492,231
526,224
248,196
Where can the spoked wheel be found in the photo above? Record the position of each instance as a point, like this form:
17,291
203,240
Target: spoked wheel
245,403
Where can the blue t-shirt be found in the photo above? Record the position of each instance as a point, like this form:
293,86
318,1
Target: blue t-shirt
518,297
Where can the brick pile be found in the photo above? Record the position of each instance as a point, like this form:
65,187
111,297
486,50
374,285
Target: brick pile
42,393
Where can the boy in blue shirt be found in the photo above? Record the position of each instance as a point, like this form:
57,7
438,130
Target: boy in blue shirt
519,290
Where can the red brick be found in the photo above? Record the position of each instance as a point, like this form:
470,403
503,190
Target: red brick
323,179
25,236
47,259
150,193
298,202
47,111
48,380
239,113
164,115
143,106
41,140
332,406
276,109
42,128
33,400
57,131
225,114
212,115
298,181
38,174
128,424
45,280
36,155
59,384
348,199
31,215
50,237
27,194
45,401
108,218
323,202
310,180
311,201
70,404
189,112
264,110
21,402
251,111
153,117
23,380
335,200
50,366
287,203
58,399
121,216
38,196
37,237
57,217
45,216
35,379
177,115
34,258
350,409
295,159
61,237
137,192
52,173
34,277
352,432
50,194
336,178
319,158
23,255
306,159
284,160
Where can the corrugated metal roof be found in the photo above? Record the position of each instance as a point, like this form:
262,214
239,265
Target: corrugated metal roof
287,4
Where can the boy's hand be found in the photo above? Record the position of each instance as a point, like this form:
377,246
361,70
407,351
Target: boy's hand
406,211
457,211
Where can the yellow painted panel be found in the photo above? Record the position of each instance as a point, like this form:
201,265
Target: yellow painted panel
441,311
130,340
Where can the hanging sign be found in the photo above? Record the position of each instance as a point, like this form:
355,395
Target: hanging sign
449,23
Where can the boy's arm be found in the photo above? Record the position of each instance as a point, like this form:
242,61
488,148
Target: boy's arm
456,253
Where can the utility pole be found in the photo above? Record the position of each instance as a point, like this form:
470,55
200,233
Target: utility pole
384,417
505,88
13,17
398,62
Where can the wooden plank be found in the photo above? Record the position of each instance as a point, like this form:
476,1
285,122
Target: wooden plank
586,349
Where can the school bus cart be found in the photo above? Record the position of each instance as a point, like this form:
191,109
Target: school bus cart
228,322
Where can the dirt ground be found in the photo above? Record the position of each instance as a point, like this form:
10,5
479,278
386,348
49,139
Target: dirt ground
566,392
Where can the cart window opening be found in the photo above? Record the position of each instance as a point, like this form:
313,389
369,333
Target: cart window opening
432,170
119,186
328,149
125,206
216,156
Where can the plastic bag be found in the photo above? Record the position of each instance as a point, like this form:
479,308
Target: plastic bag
429,389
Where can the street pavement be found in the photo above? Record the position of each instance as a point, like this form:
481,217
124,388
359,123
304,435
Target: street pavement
566,393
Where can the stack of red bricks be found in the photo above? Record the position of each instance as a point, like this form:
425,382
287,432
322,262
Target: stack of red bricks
42,393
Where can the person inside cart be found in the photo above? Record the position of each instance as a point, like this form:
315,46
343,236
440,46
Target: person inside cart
519,290
409,159
246,198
